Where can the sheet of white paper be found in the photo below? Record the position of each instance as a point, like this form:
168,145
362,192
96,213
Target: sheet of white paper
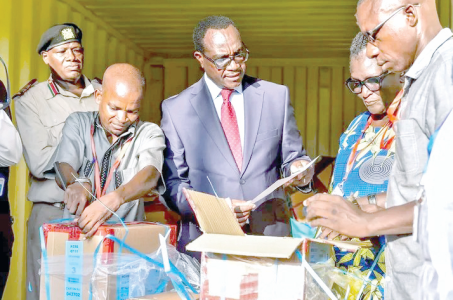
281,182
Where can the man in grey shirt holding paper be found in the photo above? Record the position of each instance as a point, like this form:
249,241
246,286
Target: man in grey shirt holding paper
111,154
402,35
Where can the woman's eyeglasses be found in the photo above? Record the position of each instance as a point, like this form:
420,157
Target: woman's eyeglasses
372,83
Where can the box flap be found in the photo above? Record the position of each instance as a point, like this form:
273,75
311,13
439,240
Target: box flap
346,245
247,245
213,214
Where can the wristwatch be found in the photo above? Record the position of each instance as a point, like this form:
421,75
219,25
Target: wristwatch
83,180
372,199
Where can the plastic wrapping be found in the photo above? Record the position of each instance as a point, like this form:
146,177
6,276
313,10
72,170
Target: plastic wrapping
312,289
122,276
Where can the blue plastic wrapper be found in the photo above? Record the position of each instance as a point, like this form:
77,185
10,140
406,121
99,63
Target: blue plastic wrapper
302,230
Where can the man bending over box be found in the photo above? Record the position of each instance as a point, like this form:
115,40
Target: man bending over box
110,154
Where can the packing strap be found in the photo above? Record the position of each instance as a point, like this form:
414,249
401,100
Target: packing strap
312,272
174,274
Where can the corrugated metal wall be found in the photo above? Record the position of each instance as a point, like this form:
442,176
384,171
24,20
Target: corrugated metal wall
21,24
322,104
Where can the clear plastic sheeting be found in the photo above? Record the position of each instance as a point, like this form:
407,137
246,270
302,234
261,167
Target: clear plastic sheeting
312,289
125,275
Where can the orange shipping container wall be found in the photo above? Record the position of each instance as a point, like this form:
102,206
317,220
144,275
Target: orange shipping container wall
323,107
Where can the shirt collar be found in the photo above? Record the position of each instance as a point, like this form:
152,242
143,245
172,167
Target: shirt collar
424,59
129,132
214,89
54,89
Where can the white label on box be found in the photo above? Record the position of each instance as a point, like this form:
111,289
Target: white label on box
289,282
122,289
224,278
281,281
267,283
73,270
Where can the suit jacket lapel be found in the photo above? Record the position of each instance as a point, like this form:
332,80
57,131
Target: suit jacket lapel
253,104
204,106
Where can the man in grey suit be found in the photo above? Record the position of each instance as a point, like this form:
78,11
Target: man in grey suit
234,130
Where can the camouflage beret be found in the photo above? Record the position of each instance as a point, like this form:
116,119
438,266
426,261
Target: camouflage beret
58,35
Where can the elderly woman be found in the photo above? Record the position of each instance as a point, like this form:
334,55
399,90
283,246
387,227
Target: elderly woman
365,155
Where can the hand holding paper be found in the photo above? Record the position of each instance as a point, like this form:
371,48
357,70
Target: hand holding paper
305,176
242,210
282,181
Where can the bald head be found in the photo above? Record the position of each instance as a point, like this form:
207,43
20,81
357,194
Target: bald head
119,101
121,78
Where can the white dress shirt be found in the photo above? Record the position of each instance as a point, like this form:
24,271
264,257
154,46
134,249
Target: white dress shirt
434,224
10,143
236,99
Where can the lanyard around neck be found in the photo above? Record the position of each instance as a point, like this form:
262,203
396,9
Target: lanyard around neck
97,172
384,144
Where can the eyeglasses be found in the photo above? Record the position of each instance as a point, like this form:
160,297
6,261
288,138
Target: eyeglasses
372,83
371,35
4,103
222,63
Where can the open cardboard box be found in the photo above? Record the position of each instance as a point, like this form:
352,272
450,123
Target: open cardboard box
223,234
239,266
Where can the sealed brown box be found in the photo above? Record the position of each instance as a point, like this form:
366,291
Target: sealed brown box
70,258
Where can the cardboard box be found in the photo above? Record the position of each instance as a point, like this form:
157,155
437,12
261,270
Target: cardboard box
236,266
159,213
66,244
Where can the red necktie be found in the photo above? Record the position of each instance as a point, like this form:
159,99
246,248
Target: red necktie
230,127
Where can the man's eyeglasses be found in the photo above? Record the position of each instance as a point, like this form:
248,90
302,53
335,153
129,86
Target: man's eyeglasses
371,35
6,101
372,83
222,63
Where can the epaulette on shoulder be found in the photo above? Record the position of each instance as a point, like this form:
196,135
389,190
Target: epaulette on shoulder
28,86
97,80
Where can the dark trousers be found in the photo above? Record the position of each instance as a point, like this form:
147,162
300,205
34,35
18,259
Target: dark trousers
6,243
6,232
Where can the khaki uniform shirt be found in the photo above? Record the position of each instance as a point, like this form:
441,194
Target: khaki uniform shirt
425,105
41,113
145,149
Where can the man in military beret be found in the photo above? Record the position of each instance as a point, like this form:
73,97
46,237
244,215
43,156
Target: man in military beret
41,112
